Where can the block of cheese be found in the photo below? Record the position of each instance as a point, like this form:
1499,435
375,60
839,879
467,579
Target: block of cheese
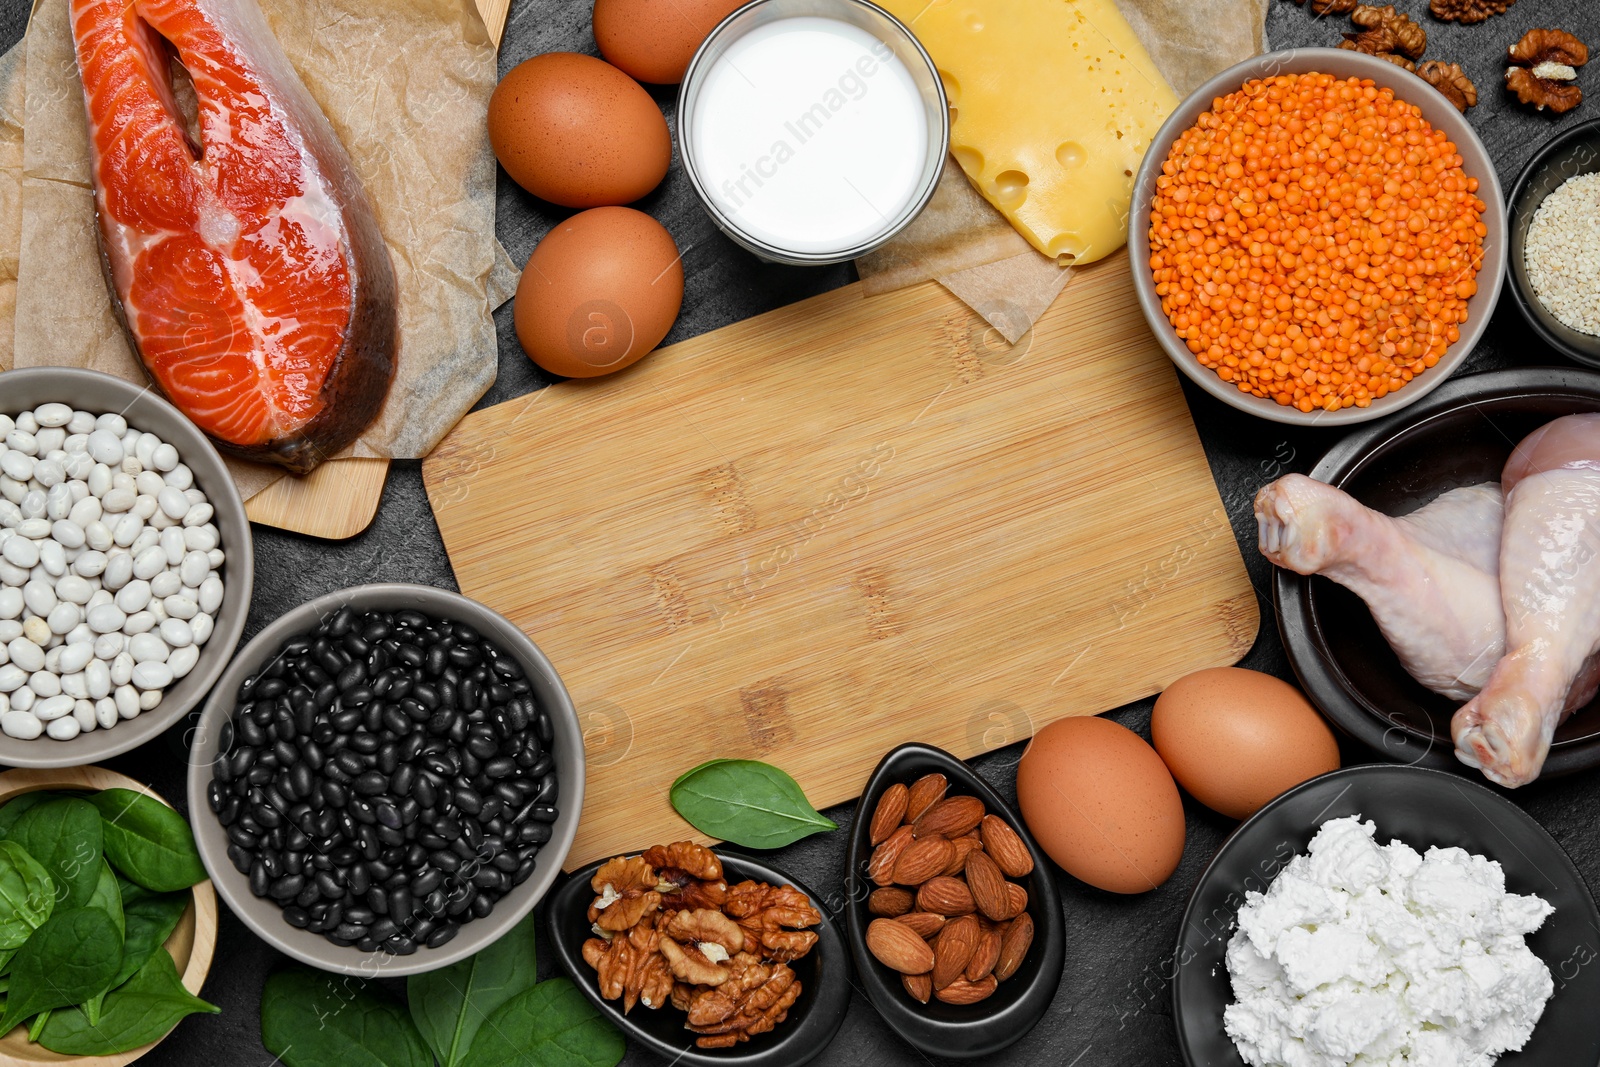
1052,103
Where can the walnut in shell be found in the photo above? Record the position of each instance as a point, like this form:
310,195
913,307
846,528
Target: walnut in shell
1451,81
1543,70
1468,11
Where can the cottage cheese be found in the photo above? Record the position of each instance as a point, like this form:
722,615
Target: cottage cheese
1368,955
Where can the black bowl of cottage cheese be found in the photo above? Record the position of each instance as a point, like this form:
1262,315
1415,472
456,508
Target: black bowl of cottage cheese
1381,915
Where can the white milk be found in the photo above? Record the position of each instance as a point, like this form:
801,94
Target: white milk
810,135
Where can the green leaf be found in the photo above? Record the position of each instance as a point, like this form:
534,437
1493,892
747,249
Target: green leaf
37,1026
148,842
27,895
108,898
143,1010
310,1019
67,960
552,1025
64,835
450,1004
15,809
747,802
150,920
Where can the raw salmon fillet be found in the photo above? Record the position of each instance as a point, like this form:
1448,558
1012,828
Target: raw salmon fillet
244,257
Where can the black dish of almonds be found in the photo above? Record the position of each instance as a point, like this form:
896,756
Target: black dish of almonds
388,778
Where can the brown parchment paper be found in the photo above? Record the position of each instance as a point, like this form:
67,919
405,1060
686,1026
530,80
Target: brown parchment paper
970,248
11,99
406,85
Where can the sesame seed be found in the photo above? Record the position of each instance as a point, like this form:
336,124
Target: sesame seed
1563,253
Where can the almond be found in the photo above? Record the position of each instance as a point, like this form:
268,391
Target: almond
920,986
1019,898
1005,847
985,956
964,846
898,948
890,901
923,859
946,896
889,814
880,868
923,923
988,887
953,948
1014,944
962,991
923,793
950,817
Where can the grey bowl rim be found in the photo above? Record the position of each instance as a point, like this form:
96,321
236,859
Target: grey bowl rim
237,542
264,917
1438,111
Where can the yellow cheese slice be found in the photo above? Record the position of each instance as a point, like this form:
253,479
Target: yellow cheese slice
1053,103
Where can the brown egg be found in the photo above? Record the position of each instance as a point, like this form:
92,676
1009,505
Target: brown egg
1101,803
653,40
1236,738
599,292
578,132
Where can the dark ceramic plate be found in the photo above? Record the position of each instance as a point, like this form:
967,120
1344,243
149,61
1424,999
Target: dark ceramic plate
955,1031
1460,435
824,974
1423,808
1566,155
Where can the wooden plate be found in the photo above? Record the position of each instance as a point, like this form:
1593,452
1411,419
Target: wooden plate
192,943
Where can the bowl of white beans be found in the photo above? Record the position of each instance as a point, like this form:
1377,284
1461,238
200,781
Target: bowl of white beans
125,566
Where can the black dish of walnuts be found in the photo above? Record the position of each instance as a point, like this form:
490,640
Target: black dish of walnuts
385,779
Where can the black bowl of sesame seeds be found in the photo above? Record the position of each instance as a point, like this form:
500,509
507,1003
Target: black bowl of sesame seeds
386,779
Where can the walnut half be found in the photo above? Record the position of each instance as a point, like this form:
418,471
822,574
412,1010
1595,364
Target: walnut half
1543,70
1451,81
1468,11
1404,35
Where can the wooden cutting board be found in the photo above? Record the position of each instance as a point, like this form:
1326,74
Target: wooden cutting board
843,525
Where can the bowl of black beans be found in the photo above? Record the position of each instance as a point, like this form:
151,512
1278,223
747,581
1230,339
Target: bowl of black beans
386,779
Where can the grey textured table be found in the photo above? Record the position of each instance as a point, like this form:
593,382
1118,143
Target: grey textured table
1113,1007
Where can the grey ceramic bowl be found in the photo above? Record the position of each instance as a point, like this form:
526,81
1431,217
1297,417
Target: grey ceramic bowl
1567,155
21,390
1438,111
264,916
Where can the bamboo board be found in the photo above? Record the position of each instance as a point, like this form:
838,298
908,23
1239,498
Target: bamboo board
843,525
340,499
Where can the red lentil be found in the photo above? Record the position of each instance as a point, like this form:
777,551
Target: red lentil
1314,240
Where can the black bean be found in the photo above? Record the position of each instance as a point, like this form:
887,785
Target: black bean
411,655
308,896
242,837
325,695
395,720
249,731
544,728
340,622
467,800
347,720
500,767
435,903
230,811
523,871
426,695
371,845
426,792
297,917
401,903
260,879
534,833
542,766
288,887
463,848
427,882
305,710
357,880
351,676
329,884
445,860
388,815
365,743
272,687
350,763
482,746
301,781
371,783
349,932
401,781
359,914
375,628
400,946
389,758
415,855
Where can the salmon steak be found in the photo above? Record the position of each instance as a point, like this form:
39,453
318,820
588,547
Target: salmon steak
243,256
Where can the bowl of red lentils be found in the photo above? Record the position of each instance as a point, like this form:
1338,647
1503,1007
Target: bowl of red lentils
1318,237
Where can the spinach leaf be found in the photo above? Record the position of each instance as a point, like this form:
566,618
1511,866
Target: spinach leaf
450,1004
64,835
746,802
148,841
15,809
144,1010
37,1026
309,1019
108,898
27,895
552,1025
150,920
67,960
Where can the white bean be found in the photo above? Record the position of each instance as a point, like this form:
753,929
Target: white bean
106,646
97,678
180,607
44,684
195,569
145,507
121,669
64,617
26,654
105,712
142,622
201,626
200,538
10,602
58,501
75,686
20,552
85,511
53,558
83,712
106,618
177,633
182,660
149,483
150,562
12,678
74,589
171,543
211,594
148,648
151,675
23,725
40,596
53,414
133,596
91,564
53,707
64,729
166,583
68,533
97,535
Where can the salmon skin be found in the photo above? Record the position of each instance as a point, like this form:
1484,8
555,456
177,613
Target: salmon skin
243,255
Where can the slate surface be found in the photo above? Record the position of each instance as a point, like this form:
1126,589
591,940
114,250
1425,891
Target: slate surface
1113,1007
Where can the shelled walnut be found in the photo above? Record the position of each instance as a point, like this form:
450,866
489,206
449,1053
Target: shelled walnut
1468,11
1451,81
1543,69
669,929
1384,25
1330,7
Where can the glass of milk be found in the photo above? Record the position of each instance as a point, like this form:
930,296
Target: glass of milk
813,130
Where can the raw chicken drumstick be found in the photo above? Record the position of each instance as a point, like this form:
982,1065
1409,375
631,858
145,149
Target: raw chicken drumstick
1429,578
1550,586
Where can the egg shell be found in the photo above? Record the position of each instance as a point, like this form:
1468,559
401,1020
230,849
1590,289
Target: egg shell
578,132
1102,804
653,40
1237,738
599,292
